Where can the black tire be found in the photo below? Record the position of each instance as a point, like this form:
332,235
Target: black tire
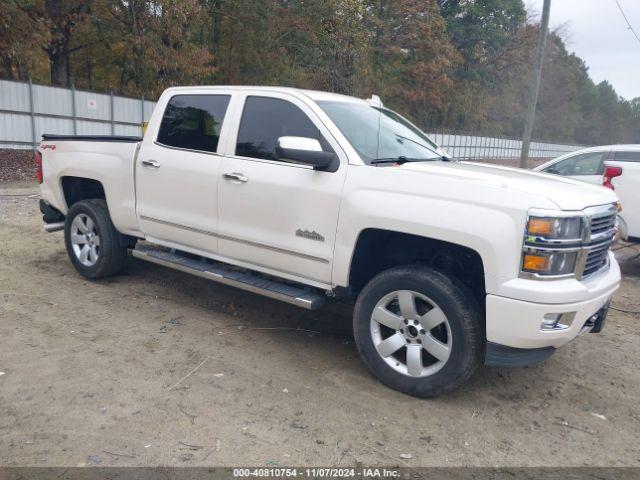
112,254
462,313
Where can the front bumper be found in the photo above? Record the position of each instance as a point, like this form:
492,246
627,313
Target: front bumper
518,323
502,356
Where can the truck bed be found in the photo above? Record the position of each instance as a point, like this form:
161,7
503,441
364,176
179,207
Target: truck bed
107,162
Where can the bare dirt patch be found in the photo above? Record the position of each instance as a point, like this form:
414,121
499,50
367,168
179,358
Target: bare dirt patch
17,165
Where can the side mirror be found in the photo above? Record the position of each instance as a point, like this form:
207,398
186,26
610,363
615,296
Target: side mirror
552,171
303,150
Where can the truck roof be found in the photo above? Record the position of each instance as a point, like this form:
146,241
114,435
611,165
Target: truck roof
315,95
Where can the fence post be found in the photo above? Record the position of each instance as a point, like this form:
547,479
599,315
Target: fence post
113,129
452,139
73,109
456,142
31,113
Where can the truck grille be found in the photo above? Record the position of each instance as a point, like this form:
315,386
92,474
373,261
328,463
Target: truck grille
602,230
596,259
602,224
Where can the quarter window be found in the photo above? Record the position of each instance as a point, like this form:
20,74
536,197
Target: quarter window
627,156
264,120
193,121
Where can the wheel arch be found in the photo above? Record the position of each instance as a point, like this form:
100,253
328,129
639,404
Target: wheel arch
378,249
76,189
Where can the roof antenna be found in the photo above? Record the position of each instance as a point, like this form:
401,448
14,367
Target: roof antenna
375,101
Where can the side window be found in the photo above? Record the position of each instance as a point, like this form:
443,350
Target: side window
563,167
193,121
627,156
588,164
264,120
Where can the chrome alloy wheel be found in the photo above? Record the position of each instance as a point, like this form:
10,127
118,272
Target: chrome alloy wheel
85,240
411,333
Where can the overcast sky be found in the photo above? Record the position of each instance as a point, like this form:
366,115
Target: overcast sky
596,31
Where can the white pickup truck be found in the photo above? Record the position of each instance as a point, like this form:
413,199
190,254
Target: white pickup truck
305,196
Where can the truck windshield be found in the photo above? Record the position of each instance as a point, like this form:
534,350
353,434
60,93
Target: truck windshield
379,134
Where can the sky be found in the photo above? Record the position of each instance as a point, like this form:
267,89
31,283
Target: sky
596,31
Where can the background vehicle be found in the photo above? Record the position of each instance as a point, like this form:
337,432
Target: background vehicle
586,165
614,166
287,193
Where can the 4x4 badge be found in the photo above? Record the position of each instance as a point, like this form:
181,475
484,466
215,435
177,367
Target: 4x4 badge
309,235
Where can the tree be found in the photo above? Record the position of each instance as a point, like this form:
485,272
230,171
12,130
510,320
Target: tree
454,64
58,20
412,58
152,44
20,51
495,45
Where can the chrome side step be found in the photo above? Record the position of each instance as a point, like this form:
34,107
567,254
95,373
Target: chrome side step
222,273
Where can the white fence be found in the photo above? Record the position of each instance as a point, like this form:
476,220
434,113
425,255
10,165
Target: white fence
461,146
28,110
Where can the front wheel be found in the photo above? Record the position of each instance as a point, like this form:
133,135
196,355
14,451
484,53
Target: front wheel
418,330
92,241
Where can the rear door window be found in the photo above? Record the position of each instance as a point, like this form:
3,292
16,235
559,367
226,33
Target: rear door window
193,122
627,156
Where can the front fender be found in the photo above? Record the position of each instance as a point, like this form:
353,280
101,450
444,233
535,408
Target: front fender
490,232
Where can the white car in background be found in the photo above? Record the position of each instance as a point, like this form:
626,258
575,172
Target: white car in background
616,167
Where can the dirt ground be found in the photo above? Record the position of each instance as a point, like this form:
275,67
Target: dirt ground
103,373
17,165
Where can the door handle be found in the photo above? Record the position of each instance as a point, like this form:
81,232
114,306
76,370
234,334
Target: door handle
235,177
151,163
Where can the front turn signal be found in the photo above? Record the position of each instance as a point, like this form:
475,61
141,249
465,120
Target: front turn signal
535,263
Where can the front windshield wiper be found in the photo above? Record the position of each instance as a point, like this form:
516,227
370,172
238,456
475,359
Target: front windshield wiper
400,160
431,149
441,157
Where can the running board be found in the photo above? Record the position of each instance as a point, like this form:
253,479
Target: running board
222,273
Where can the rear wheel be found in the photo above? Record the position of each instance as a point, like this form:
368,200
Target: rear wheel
92,241
418,330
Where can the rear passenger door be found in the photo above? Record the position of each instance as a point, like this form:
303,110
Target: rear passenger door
276,216
177,173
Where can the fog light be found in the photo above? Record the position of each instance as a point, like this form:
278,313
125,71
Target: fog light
557,321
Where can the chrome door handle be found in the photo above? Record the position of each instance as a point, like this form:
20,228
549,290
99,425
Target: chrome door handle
151,163
235,177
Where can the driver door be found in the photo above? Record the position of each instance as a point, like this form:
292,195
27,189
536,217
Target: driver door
274,215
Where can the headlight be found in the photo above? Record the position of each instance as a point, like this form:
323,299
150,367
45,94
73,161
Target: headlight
552,245
562,244
544,262
555,228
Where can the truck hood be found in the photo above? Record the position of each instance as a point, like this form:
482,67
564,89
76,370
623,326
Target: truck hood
566,193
